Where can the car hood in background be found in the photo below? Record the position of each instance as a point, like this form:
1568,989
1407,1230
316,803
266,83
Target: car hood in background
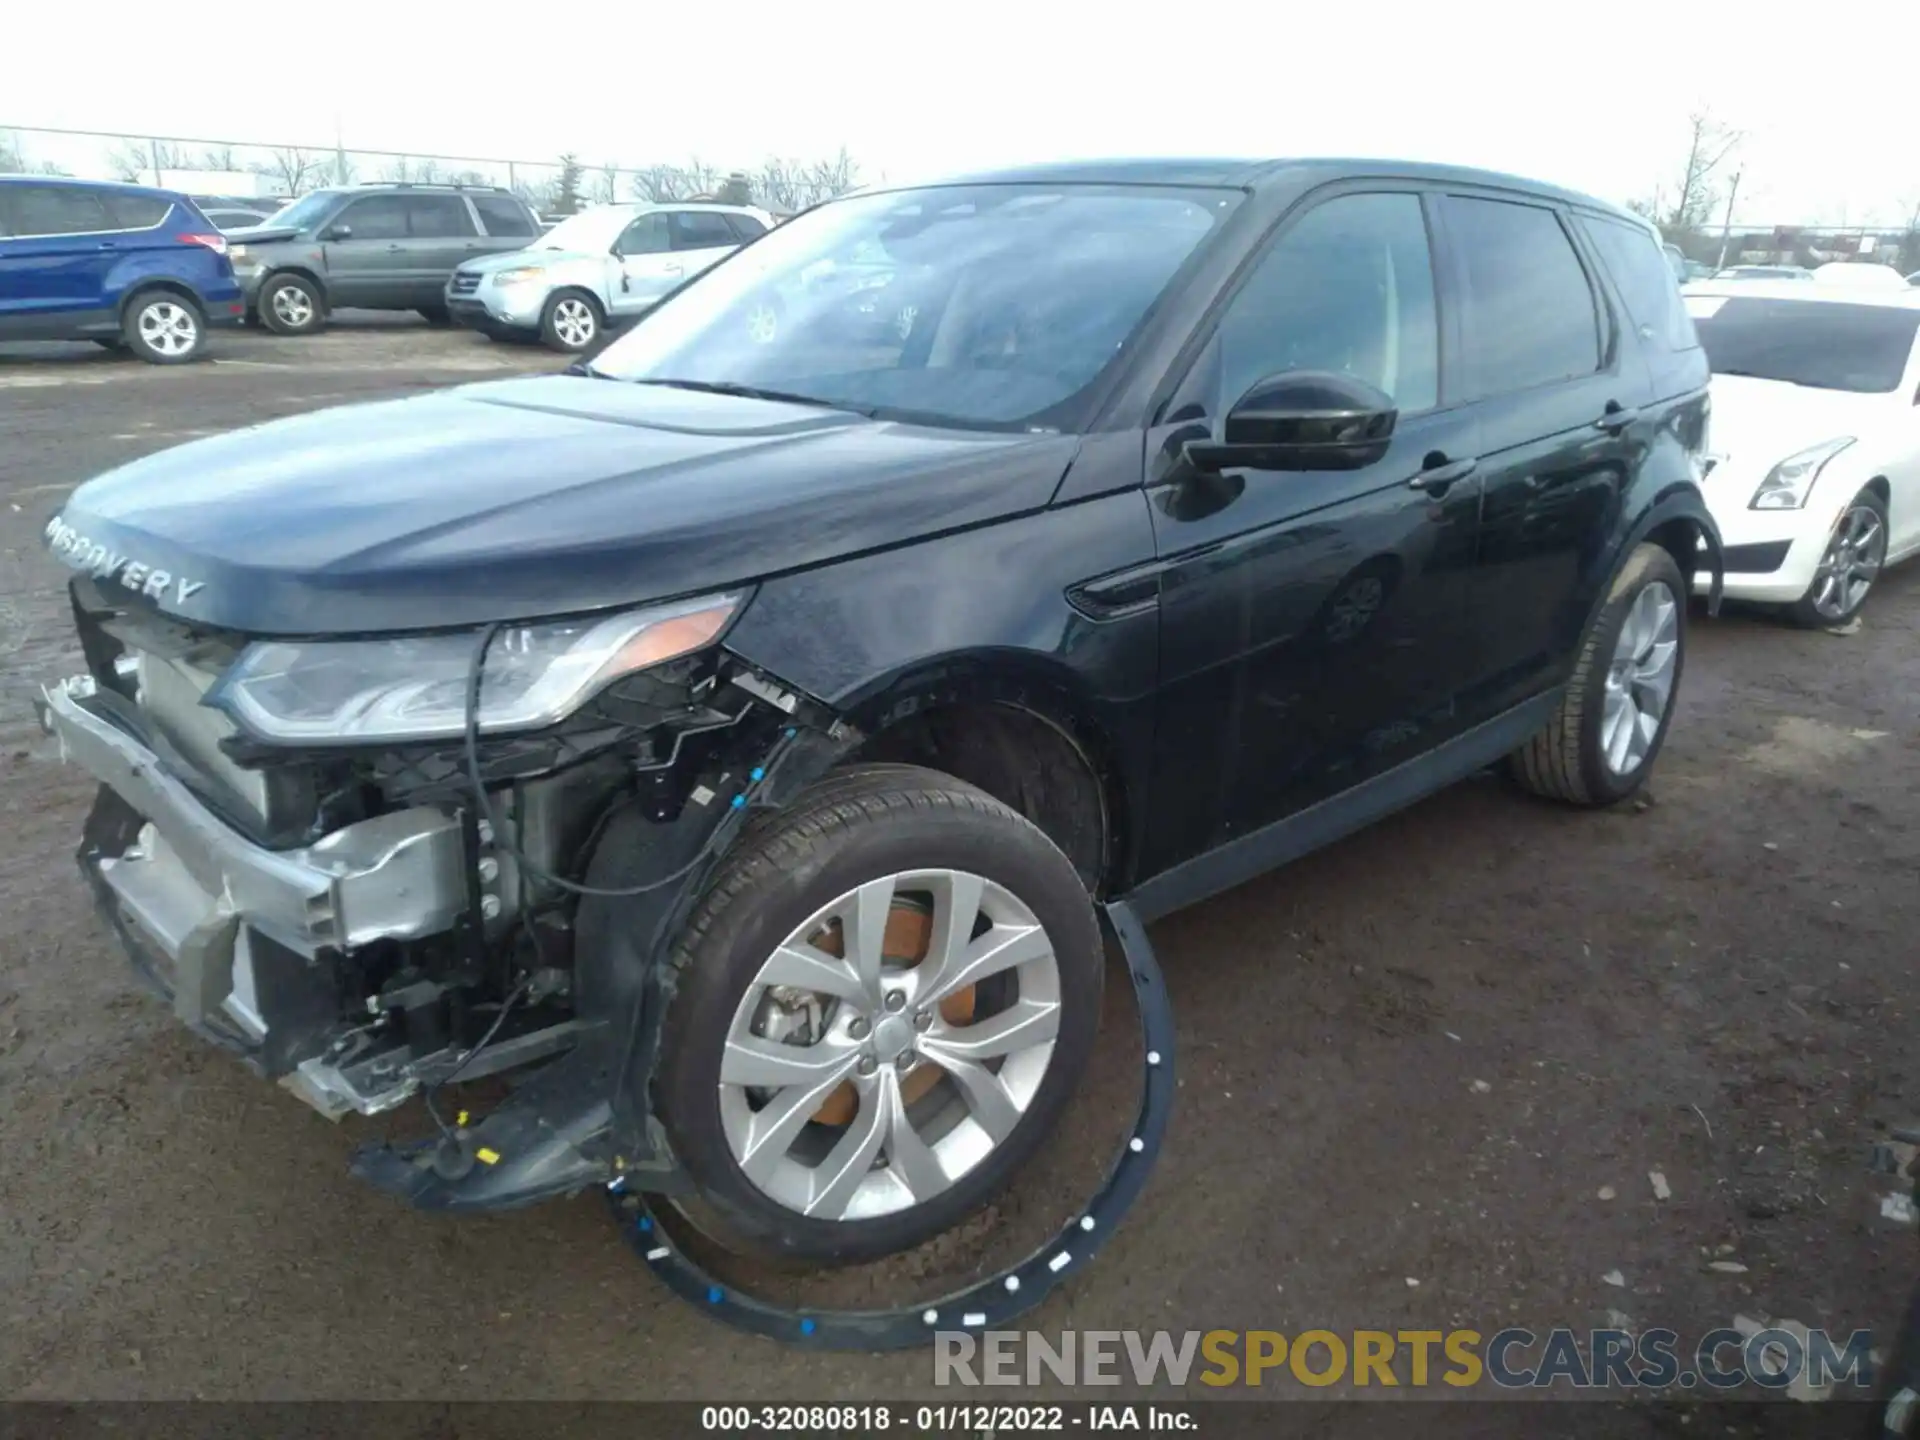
520,498
1758,423
261,234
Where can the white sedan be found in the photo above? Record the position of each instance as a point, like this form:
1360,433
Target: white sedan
1813,463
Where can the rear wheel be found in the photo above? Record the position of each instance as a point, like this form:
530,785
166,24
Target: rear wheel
289,304
163,328
571,321
1602,741
883,1006
1854,555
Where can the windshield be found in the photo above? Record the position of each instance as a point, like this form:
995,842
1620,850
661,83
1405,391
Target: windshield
1819,343
990,305
593,231
307,210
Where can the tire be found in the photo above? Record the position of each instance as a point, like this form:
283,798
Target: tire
1569,760
436,314
290,304
1859,542
163,327
859,826
571,321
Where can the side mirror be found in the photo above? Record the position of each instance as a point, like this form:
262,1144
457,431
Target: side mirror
337,232
1302,420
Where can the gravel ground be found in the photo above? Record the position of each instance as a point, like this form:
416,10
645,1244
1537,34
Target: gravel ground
1447,1051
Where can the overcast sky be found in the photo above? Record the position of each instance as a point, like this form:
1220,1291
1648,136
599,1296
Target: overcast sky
1593,96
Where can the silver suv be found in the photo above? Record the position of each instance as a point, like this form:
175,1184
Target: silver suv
604,265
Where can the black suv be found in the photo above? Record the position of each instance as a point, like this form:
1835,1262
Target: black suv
371,247
742,726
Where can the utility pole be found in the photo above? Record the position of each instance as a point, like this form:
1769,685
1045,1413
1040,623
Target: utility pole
339,153
1726,224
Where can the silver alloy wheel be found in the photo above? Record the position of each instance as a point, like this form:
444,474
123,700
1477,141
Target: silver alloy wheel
293,306
873,1024
1853,559
169,328
573,322
1640,680
763,324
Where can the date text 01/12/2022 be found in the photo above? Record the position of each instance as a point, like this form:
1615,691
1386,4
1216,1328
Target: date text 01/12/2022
941,1419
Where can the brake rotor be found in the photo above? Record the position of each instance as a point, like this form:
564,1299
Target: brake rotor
904,943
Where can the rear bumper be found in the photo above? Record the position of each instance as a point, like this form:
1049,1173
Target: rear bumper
204,911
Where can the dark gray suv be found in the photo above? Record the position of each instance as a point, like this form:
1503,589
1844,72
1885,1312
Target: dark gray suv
373,247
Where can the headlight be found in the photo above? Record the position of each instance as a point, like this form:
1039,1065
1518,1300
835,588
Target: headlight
415,687
519,276
1787,484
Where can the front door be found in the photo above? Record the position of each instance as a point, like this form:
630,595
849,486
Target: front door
700,238
366,252
1558,396
648,266
1311,620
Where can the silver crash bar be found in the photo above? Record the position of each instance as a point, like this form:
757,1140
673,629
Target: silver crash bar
191,879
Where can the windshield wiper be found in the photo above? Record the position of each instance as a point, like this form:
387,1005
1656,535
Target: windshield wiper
755,392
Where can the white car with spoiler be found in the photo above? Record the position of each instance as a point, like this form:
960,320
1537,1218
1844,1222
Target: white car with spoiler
1813,470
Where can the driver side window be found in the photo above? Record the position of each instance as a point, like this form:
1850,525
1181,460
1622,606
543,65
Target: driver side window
647,235
1347,287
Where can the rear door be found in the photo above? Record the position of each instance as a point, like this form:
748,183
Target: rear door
508,223
700,238
54,263
441,232
367,257
1562,403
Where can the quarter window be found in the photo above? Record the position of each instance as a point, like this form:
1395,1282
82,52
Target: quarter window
1640,271
503,216
139,212
1349,288
1530,317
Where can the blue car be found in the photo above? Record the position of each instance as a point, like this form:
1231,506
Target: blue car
121,265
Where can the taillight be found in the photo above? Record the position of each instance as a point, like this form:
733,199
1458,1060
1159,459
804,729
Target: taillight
215,243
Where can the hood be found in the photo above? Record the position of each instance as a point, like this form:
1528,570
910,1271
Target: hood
532,255
1758,423
521,498
261,234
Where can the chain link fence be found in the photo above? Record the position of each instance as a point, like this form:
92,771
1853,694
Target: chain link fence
557,186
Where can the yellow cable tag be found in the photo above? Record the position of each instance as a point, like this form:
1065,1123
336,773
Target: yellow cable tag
461,1120
486,1156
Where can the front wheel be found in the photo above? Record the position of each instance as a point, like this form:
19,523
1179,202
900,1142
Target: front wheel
571,322
290,305
163,328
881,1009
1602,741
1849,567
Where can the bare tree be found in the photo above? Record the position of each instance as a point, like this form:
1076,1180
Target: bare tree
13,158
605,188
137,160
215,157
293,168
827,178
660,182
1688,208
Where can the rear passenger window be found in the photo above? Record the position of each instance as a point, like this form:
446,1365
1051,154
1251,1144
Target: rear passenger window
746,227
58,210
700,230
139,212
1530,316
435,217
1645,280
502,216
1348,287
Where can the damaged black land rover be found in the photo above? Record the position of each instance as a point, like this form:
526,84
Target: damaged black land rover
732,736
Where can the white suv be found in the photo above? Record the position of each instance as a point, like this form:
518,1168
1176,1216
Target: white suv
604,265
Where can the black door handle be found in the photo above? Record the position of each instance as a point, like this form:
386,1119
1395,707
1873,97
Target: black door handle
1442,472
395,249
1617,418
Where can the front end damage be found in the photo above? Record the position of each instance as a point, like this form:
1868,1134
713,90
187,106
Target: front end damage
348,920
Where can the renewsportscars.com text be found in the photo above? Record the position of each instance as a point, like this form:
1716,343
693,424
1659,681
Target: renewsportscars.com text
1512,1359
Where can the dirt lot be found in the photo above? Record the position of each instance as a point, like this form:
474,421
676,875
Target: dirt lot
1423,1056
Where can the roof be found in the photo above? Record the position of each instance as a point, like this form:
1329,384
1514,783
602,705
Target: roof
1907,299
1249,174
81,184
